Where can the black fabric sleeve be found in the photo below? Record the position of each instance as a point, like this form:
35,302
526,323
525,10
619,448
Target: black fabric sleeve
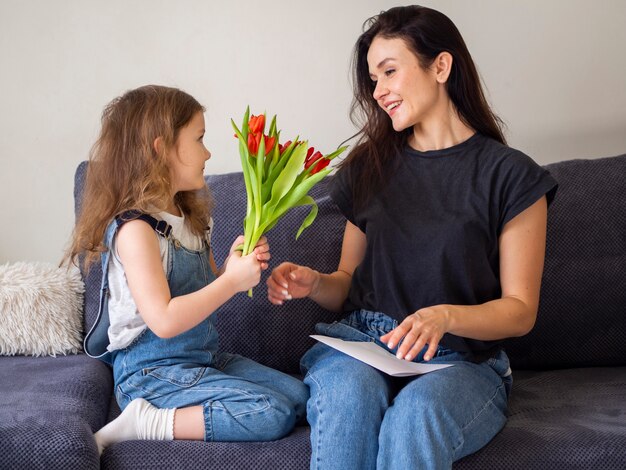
523,182
341,193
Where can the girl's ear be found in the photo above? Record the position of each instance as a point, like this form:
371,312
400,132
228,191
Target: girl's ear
443,66
158,145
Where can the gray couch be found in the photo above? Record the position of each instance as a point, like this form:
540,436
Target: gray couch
568,405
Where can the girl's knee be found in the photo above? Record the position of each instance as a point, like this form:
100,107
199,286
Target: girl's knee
281,419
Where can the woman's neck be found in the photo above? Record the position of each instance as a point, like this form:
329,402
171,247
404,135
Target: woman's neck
444,130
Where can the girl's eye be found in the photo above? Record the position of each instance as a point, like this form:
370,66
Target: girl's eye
389,72
201,138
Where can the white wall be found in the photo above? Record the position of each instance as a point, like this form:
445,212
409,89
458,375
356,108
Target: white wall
555,71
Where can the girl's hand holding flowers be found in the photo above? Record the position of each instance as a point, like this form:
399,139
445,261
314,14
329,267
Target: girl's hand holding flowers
245,271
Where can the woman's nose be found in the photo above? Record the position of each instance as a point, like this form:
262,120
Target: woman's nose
380,90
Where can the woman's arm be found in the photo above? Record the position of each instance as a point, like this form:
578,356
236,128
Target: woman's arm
522,250
291,281
138,249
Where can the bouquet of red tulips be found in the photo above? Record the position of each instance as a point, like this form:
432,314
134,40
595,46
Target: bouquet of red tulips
277,176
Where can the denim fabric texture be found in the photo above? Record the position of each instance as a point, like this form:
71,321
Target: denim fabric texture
241,399
426,421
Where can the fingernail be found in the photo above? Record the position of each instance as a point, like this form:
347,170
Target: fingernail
427,358
390,345
292,275
285,292
288,297
399,356
284,284
408,357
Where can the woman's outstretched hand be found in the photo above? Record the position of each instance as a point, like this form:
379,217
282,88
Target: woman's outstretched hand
291,281
424,327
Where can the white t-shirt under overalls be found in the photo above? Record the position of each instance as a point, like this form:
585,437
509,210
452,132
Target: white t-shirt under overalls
125,321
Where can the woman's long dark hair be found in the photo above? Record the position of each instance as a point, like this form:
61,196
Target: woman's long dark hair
428,33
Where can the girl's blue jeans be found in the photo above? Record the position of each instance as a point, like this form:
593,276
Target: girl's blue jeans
242,400
362,418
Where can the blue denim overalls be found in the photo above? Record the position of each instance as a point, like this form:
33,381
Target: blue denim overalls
241,400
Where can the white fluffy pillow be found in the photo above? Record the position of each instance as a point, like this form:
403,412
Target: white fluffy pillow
40,309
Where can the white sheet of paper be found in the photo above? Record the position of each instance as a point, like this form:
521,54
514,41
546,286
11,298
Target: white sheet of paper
377,357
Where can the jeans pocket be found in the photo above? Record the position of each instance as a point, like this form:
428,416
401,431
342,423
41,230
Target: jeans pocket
182,375
500,364
342,331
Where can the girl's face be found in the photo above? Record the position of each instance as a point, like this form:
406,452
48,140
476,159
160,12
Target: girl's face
409,94
189,155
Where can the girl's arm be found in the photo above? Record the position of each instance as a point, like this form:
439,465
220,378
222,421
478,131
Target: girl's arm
522,250
291,281
138,249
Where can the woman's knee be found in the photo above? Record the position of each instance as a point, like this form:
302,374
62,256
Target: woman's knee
341,382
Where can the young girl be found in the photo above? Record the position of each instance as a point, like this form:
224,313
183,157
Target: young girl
442,257
146,210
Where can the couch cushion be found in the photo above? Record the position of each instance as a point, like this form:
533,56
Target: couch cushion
290,453
557,419
50,407
573,418
582,318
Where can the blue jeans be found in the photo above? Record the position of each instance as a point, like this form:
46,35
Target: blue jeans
362,418
241,399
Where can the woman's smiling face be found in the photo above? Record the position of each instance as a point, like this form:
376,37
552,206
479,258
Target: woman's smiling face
408,93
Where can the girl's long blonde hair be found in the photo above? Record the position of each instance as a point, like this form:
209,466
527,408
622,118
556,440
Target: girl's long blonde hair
126,172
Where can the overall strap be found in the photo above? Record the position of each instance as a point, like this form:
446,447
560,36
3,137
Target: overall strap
161,227
96,341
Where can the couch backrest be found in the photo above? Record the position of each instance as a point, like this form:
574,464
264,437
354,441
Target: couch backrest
582,316
582,313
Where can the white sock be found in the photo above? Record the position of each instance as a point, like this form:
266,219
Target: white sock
139,420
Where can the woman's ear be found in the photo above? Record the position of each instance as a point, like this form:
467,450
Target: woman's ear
443,66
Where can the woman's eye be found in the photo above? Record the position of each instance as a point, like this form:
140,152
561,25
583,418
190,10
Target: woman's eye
389,72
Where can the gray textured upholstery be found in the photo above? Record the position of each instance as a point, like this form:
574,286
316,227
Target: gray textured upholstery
582,315
49,409
568,404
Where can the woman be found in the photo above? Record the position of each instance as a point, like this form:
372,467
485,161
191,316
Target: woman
442,256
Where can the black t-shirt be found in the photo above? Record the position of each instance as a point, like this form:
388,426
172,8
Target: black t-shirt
432,230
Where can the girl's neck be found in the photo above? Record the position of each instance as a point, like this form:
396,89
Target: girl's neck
173,209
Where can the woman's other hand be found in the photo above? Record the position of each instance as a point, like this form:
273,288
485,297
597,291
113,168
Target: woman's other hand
291,281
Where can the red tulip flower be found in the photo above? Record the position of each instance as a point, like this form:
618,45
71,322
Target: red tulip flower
256,126
317,159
